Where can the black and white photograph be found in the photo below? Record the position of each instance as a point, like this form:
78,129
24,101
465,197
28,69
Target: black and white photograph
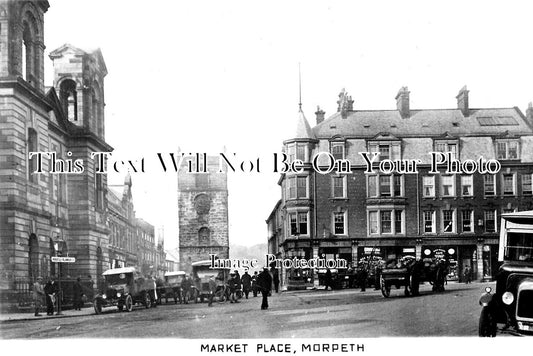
253,177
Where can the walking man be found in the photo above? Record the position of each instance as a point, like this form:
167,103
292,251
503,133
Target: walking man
212,289
275,278
328,280
38,295
51,291
78,293
254,284
246,280
264,284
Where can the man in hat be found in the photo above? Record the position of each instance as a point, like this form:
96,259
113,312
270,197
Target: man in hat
246,280
38,295
51,291
264,284
232,285
212,289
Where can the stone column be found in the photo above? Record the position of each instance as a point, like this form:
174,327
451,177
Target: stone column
479,248
418,249
355,256
315,272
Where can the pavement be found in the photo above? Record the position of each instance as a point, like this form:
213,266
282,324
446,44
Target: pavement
88,310
7,317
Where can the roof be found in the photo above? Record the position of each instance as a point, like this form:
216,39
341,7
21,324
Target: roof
95,53
519,215
119,270
202,263
430,122
303,129
175,273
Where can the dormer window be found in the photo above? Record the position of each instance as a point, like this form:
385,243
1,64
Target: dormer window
507,149
446,146
337,150
386,149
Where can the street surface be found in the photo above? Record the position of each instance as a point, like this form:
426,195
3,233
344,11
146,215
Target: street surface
303,314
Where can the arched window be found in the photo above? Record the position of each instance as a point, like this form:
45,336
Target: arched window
203,236
33,257
96,109
69,99
30,49
32,147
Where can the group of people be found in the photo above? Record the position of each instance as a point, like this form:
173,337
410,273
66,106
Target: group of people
49,294
239,286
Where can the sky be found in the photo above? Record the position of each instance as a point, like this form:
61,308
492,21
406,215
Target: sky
204,76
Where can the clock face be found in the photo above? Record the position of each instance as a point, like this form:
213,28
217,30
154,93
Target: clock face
202,204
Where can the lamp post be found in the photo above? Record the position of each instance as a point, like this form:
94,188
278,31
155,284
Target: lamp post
58,247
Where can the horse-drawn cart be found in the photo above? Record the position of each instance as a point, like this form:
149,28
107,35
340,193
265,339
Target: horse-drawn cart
409,273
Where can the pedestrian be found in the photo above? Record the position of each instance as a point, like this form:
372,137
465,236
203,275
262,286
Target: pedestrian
328,280
212,289
77,294
238,290
467,275
246,283
232,285
275,278
186,286
264,284
51,291
363,276
254,284
38,295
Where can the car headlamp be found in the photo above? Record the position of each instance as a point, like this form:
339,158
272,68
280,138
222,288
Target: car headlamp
119,295
507,298
488,289
104,296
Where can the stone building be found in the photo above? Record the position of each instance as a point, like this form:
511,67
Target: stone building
202,210
56,203
352,214
40,212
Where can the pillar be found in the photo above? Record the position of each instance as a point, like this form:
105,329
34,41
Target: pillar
315,271
479,248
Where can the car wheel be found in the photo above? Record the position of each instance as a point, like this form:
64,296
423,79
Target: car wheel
147,300
128,303
487,325
97,307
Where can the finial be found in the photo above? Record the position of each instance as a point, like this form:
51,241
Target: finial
300,86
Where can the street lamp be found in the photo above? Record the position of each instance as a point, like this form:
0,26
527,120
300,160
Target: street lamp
58,247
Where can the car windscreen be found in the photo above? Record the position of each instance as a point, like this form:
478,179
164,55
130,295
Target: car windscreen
519,247
120,278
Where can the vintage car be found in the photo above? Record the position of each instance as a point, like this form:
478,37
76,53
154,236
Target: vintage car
510,308
171,288
202,271
123,288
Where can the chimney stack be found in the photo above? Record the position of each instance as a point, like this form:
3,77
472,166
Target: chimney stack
345,103
529,114
402,102
462,101
320,114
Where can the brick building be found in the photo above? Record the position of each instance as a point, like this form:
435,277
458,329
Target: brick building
203,211
354,214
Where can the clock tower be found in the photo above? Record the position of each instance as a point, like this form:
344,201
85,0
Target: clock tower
203,211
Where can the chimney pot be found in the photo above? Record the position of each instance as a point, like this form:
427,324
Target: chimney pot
402,102
462,101
320,114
